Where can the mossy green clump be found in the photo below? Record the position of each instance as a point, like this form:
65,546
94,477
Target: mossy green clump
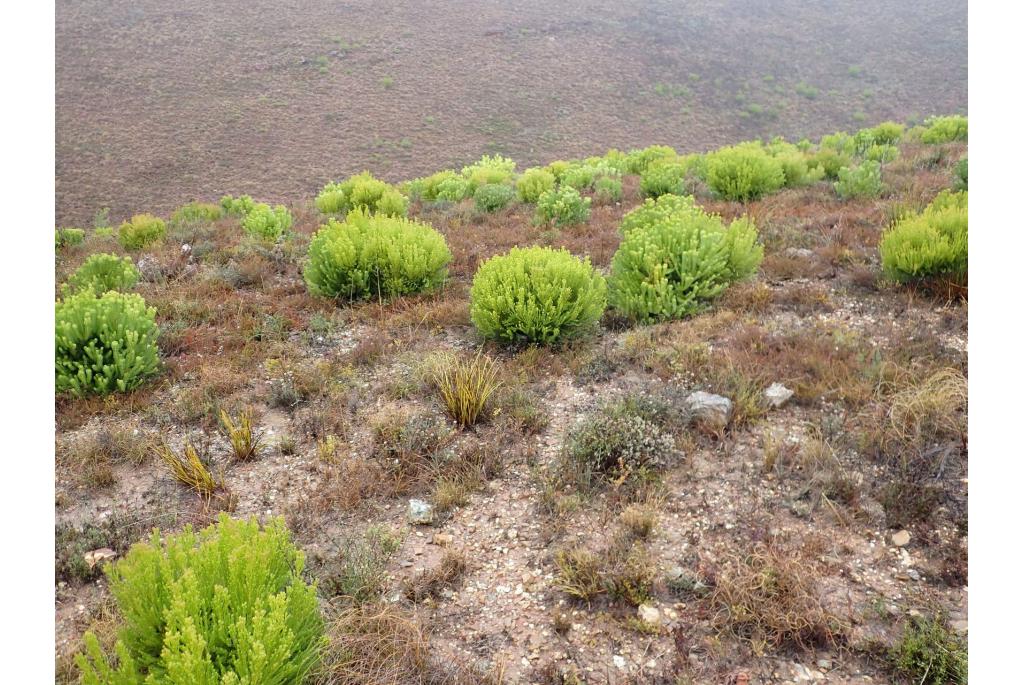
142,231
375,256
104,343
929,653
224,606
237,206
533,182
861,181
743,172
266,223
491,197
932,244
536,294
66,237
197,212
944,129
563,206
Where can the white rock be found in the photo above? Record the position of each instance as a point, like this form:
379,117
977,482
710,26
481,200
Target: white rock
649,614
420,512
776,395
713,409
901,538
619,661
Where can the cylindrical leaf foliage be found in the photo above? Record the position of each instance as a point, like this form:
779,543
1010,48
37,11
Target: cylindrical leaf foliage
672,268
364,192
102,272
375,256
536,294
744,172
104,344
267,224
225,605
533,182
930,244
143,230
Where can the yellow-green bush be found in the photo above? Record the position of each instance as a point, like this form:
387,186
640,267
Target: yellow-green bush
237,206
66,237
945,129
195,212
362,191
653,211
562,205
637,161
267,224
673,267
486,170
225,606
533,182
932,244
104,343
743,172
375,256
536,294
491,197
861,181
102,272
143,230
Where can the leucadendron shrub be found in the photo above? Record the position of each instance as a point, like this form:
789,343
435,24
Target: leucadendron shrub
673,267
102,272
861,181
536,294
491,197
143,230
237,206
197,212
637,161
653,211
375,256
224,606
930,245
66,237
563,206
364,192
488,169
104,343
743,172
944,129
267,224
533,182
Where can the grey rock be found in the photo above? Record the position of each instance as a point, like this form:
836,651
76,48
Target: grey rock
649,614
711,409
901,538
420,512
777,395
799,253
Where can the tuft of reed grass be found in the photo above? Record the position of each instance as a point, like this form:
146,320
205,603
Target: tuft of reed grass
190,469
245,439
466,386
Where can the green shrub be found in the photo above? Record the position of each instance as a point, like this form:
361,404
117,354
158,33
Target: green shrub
493,196
375,256
584,176
796,169
841,142
66,237
103,232
141,231
102,272
362,191
653,211
637,161
267,224
104,343
829,162
672,268
944,129
237,206
932,244
743,172
929,653
563,205
452,189
197,212
663,178
607,190
882,153
533,182
623,440
536,294
960,172
496,169
557,168
862,181
227,605
426,188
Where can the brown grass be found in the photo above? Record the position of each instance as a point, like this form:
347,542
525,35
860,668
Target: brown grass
431,582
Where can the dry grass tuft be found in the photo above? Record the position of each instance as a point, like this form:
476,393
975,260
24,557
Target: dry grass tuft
190,469
770,598
465,386
375,644
431,582
245,439
934,409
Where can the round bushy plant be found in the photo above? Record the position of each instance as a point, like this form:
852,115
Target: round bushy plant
563,205
104,343
536,294
427,187
960,172
362,191
237,206
452,189
375,256
141,231
672,268
637,161
66,237
533,182
496,169
743,172
493,196
663,178
226,605
197,212
829,162
862,181
103,272
607,190
945,129
267,224
929,245
653,211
